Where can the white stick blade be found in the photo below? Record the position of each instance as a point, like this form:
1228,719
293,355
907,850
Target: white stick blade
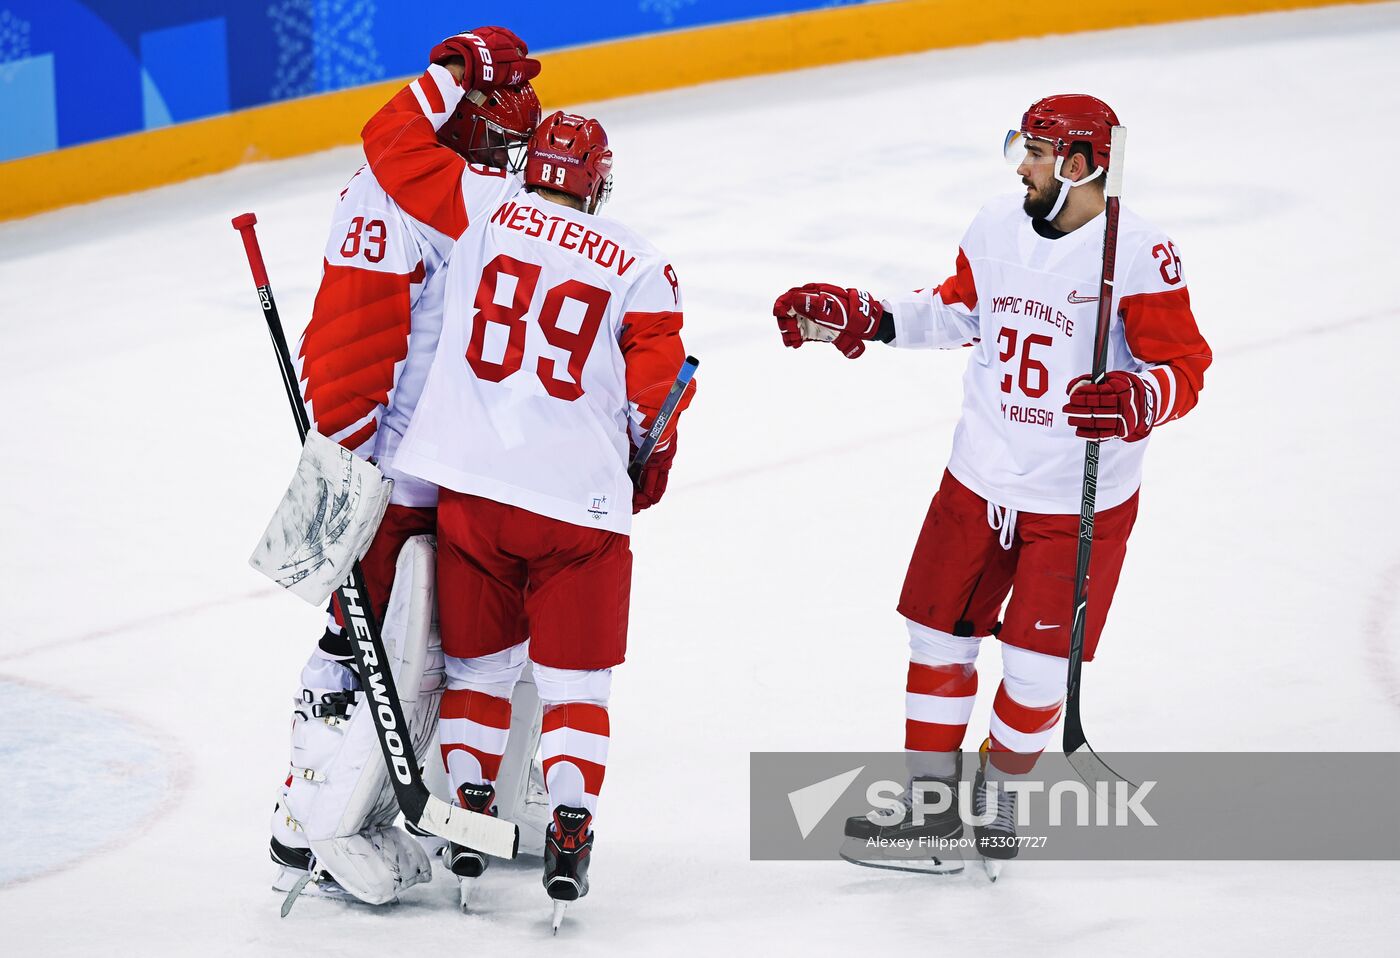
492,836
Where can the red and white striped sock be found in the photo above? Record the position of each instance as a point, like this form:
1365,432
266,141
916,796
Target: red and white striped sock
574,749
937,705
472,730
1026,708
574,736
939,694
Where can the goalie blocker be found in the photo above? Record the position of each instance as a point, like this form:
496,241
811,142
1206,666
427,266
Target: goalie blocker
325,522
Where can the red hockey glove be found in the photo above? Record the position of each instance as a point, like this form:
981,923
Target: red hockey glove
494,57
651,485
1120,407
820,311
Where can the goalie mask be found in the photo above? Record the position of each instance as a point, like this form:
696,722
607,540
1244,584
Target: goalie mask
496,131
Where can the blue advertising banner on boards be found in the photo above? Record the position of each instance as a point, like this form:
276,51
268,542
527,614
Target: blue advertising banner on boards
73,72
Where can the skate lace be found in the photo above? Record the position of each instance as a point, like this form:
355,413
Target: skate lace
1005,820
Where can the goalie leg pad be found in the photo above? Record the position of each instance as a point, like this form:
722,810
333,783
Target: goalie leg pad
376,864
520,787
341,798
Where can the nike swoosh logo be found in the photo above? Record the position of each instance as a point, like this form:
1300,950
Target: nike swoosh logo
1041,627
1074,297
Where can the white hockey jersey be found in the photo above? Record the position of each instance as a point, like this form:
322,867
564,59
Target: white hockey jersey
557,326
527,400
1027,304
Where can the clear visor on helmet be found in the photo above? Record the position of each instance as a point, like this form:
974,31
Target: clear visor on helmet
1017,149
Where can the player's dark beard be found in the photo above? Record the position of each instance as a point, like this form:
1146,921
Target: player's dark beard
1039,209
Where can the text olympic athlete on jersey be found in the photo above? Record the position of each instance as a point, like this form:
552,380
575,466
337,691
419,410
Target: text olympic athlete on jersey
998,548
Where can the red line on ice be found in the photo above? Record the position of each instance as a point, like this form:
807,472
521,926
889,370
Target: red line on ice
138,624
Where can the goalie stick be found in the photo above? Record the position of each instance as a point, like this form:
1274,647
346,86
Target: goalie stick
493,836
1082,757
663,418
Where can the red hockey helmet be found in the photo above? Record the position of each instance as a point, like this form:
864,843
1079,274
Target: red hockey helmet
1069,118
495,131
570,154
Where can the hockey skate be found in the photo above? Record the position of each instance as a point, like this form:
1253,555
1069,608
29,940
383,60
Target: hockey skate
567,850
298,875
996,840
931,847
468,864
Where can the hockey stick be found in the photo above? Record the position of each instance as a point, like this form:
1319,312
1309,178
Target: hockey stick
1082,758
493,836
663,418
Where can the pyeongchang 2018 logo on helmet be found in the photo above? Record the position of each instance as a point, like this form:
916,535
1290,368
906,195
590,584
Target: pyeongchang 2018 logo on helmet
557,159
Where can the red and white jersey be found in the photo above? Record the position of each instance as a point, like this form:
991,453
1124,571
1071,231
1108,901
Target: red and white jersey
364,356
1028,306
561,331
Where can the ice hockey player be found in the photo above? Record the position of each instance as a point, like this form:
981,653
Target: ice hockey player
561,338
362,362
1023,295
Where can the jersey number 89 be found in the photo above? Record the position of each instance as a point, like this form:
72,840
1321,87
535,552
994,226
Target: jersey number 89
513,315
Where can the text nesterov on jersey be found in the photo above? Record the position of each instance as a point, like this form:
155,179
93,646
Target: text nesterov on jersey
574,237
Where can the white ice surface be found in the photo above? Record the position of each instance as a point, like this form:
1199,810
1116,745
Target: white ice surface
1257,611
